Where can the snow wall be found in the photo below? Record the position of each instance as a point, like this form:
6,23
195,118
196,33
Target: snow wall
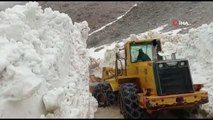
43,64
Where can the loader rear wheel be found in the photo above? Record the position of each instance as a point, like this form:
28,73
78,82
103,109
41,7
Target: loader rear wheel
104,94
129,102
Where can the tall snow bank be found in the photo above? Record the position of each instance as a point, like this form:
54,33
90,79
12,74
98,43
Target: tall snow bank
44,64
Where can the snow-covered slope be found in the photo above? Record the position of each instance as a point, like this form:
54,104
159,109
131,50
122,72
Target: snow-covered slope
43,65
196,46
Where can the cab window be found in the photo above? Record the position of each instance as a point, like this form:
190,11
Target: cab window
145,47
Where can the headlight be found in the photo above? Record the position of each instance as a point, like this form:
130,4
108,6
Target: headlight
160,65
182,63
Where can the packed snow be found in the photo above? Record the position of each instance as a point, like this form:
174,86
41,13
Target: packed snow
196,46
44,64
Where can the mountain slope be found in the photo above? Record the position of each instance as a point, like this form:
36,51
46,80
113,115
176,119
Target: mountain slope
150,15
96,14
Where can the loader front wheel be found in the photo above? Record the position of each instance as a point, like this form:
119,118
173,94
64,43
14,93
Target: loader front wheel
104,94
129,102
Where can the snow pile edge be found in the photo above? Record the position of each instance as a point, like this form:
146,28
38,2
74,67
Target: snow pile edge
43,58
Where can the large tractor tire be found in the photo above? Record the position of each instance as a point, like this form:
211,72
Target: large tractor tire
104,94
129,103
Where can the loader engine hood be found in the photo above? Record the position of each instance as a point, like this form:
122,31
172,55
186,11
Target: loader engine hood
173,77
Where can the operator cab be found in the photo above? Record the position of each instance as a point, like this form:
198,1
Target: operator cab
172,76
145,51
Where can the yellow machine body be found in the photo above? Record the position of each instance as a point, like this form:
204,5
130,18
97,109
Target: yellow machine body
143,75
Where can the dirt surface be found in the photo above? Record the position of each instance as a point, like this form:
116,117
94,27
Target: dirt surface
108,112
114,112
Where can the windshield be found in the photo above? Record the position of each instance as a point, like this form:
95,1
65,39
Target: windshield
141,52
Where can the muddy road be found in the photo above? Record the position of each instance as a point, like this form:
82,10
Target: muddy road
109,112
114,112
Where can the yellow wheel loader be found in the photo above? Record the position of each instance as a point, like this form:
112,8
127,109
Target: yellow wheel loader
148,84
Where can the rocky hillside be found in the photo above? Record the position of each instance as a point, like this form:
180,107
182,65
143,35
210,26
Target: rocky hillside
150,15
96,14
